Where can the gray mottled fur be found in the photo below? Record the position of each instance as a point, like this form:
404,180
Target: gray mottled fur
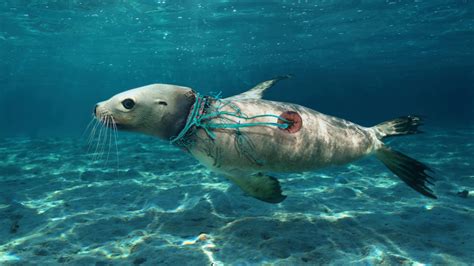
322,141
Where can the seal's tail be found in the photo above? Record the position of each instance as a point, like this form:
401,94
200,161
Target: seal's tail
412,172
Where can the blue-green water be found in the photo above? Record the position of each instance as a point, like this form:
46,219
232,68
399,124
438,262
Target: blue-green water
145,201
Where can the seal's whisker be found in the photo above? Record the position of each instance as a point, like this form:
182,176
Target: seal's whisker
101,145
116,144
87,128
99,139
92,135
107,138
95,140
110,139
101,151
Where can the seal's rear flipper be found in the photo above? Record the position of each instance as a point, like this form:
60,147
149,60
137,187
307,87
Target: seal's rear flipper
405,125
412,172
260,186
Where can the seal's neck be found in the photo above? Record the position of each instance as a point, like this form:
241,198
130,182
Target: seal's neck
173,123
186,128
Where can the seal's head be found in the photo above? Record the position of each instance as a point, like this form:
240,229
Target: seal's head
159,109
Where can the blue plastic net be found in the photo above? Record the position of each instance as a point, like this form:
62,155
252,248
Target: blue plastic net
205,120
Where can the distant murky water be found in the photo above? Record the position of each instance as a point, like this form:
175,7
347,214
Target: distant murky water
348,58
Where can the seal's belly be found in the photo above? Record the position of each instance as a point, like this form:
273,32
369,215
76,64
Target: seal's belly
318,141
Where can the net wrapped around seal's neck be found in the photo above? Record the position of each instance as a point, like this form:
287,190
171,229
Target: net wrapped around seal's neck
204,112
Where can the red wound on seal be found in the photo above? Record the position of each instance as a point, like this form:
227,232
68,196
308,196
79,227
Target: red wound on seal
295,122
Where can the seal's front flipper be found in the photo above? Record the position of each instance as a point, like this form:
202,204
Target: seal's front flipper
260,186
257,91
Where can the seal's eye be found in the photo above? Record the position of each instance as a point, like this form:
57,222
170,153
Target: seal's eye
128,104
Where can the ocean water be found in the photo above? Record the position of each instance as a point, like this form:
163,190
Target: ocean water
69,196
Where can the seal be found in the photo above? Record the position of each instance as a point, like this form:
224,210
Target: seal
244,137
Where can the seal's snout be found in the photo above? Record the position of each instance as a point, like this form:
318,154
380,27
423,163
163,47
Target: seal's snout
102,115
99,110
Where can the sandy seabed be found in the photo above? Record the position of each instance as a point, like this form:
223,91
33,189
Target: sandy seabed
155,205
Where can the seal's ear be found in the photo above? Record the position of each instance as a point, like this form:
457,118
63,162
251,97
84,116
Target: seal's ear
191,95
161,102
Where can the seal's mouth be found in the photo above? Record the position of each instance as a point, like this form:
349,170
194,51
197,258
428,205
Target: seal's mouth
120,126
105,118
108,121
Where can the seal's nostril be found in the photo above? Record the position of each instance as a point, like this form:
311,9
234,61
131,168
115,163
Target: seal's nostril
95,110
